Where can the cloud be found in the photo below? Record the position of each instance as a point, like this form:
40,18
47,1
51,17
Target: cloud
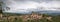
20,7
50,5
28,6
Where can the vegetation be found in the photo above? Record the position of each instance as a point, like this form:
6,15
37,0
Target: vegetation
1,7
20,19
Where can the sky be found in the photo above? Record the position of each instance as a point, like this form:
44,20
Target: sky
25,6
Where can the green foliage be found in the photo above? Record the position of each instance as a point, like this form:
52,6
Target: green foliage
1,6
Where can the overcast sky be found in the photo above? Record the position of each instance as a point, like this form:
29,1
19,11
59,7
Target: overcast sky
31,5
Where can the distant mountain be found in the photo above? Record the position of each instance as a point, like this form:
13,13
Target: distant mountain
49,12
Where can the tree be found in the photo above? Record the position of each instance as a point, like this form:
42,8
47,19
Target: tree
7,8
1,7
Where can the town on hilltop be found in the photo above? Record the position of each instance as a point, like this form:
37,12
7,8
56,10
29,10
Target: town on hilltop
34,17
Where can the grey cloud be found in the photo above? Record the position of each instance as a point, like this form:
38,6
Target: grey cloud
34,1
